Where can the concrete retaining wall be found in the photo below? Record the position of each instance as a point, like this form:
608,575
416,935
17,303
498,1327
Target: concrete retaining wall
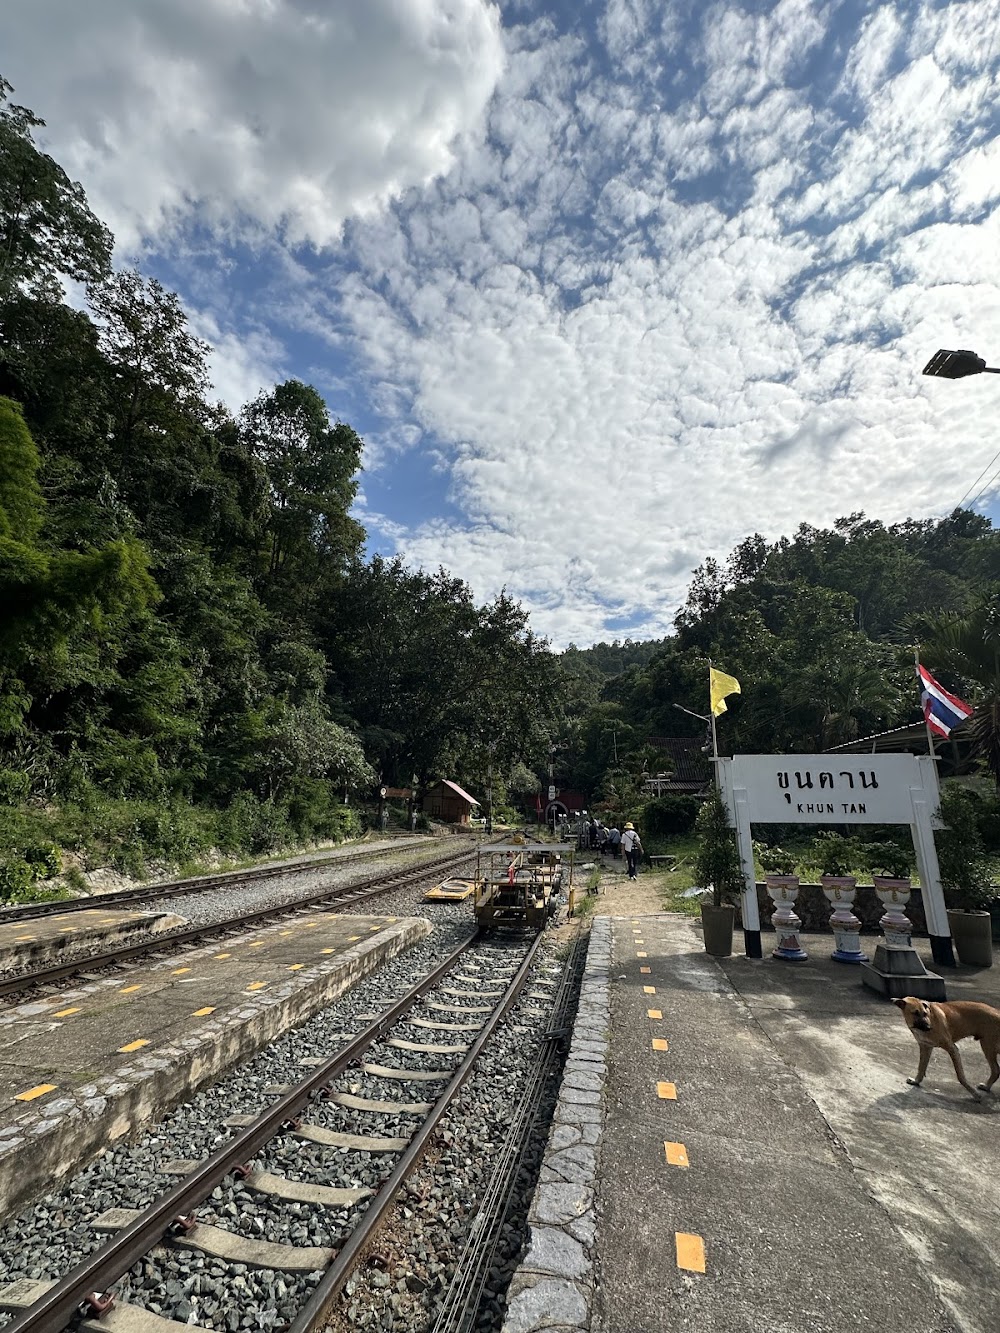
553,1288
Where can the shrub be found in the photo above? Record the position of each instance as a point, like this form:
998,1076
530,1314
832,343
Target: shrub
961,851
718,860
669,816
15,879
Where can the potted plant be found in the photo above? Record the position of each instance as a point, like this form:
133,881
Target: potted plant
783,886
835,857
965,877
890,867
717,865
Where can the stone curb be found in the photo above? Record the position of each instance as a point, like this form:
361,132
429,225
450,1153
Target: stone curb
58,948
43,1147
553,1286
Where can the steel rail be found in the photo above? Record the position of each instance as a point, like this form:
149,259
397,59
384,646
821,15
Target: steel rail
348,894
97,1272
180,888
333,1280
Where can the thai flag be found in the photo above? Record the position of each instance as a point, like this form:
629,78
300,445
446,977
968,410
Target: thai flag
942,711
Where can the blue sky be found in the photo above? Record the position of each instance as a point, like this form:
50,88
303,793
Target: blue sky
604,285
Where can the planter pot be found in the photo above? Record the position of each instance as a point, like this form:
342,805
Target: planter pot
784,890
894,894
973,936
717,923
839,891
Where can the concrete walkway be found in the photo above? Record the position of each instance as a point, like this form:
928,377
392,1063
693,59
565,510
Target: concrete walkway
763,1164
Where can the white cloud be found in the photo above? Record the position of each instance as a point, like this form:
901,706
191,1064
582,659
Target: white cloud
259,114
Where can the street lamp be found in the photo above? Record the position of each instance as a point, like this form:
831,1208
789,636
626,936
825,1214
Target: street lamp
956,365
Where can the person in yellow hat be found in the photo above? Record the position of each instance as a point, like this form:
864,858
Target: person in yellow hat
632,848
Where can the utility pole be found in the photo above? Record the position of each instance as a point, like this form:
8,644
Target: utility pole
489,788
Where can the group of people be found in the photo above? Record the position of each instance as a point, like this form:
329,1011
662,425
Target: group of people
617,842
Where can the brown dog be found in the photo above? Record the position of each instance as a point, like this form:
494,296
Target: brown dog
945,1024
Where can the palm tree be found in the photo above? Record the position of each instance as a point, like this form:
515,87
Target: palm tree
968,646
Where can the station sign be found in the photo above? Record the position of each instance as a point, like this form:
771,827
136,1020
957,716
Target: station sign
828,789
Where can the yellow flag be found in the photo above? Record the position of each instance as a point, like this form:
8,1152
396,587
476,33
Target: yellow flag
719,685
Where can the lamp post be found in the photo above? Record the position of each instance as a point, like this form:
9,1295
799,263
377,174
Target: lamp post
956,365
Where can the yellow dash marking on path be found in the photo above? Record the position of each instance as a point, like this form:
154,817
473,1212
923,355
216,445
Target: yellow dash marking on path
179,971
133,1046
690,1252
24,939
328,950
66,930
202,1013
352,938
65,1013
676,1154
667,1092
638,941
392,920
639,954
645,970
659,1044
635,923
223,955
32,1093
284,932
374,927
296,967
256,944
654,1013
257,985
127,990
648,990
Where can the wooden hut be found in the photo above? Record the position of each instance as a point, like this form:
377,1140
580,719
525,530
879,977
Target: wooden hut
449,802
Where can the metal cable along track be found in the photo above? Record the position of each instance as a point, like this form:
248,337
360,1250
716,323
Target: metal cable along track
169,1216
462,1300
179,888
347,895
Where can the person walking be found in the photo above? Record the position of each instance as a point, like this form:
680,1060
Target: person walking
615,840
633,850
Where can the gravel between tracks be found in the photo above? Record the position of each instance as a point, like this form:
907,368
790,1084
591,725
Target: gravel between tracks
50,1237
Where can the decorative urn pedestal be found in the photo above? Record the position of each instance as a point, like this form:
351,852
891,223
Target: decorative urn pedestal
839,891
784,889
896,970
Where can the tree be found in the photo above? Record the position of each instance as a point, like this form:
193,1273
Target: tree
46,227
968,646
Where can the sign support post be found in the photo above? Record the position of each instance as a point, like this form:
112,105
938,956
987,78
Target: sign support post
737,804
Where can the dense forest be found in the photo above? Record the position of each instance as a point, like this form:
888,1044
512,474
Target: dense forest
197,652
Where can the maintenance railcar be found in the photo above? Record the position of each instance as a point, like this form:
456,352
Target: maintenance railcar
519,882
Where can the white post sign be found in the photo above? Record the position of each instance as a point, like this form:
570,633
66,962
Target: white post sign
838,789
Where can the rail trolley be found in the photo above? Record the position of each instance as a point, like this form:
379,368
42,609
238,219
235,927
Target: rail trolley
519,882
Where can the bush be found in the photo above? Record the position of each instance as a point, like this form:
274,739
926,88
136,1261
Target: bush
718,859
16,879
669,816
961,851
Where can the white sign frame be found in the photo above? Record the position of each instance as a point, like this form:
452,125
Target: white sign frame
817,789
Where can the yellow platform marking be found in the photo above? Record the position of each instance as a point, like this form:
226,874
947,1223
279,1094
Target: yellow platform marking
635,923
256,944
133,1046
374,927
676,1154
296,967
667,1092
179,971
223,955
328,950
690,1252
654,1013
257,985
649,990
284,932
645,971
65,1013
392,920
638,941
308,923
66,930
352,938
640,954
32,1093
24,939
127,990
659,1044
202,1013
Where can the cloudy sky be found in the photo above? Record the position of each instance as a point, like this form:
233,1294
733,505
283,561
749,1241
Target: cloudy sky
604,284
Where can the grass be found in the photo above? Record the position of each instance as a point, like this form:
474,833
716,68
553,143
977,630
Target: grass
672,883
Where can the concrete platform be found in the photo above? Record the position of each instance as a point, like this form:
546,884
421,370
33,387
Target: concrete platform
735,1148
94,1063
45,939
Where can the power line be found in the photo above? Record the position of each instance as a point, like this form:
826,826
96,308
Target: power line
986,487
978,480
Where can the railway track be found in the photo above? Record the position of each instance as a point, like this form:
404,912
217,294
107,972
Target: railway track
180,888
309,1136
350,896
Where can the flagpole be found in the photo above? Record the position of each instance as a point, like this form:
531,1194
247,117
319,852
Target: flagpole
927,725
715,736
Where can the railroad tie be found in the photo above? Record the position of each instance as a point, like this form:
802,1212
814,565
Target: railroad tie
471,994
376,1107
334,1138
425,1048
436,1026
228,1245
460,1008
121,1318
407,1075
303,1191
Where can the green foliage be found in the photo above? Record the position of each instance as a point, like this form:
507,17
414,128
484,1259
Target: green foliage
669,816
965,870
832,854
776,861
718,860
889,859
